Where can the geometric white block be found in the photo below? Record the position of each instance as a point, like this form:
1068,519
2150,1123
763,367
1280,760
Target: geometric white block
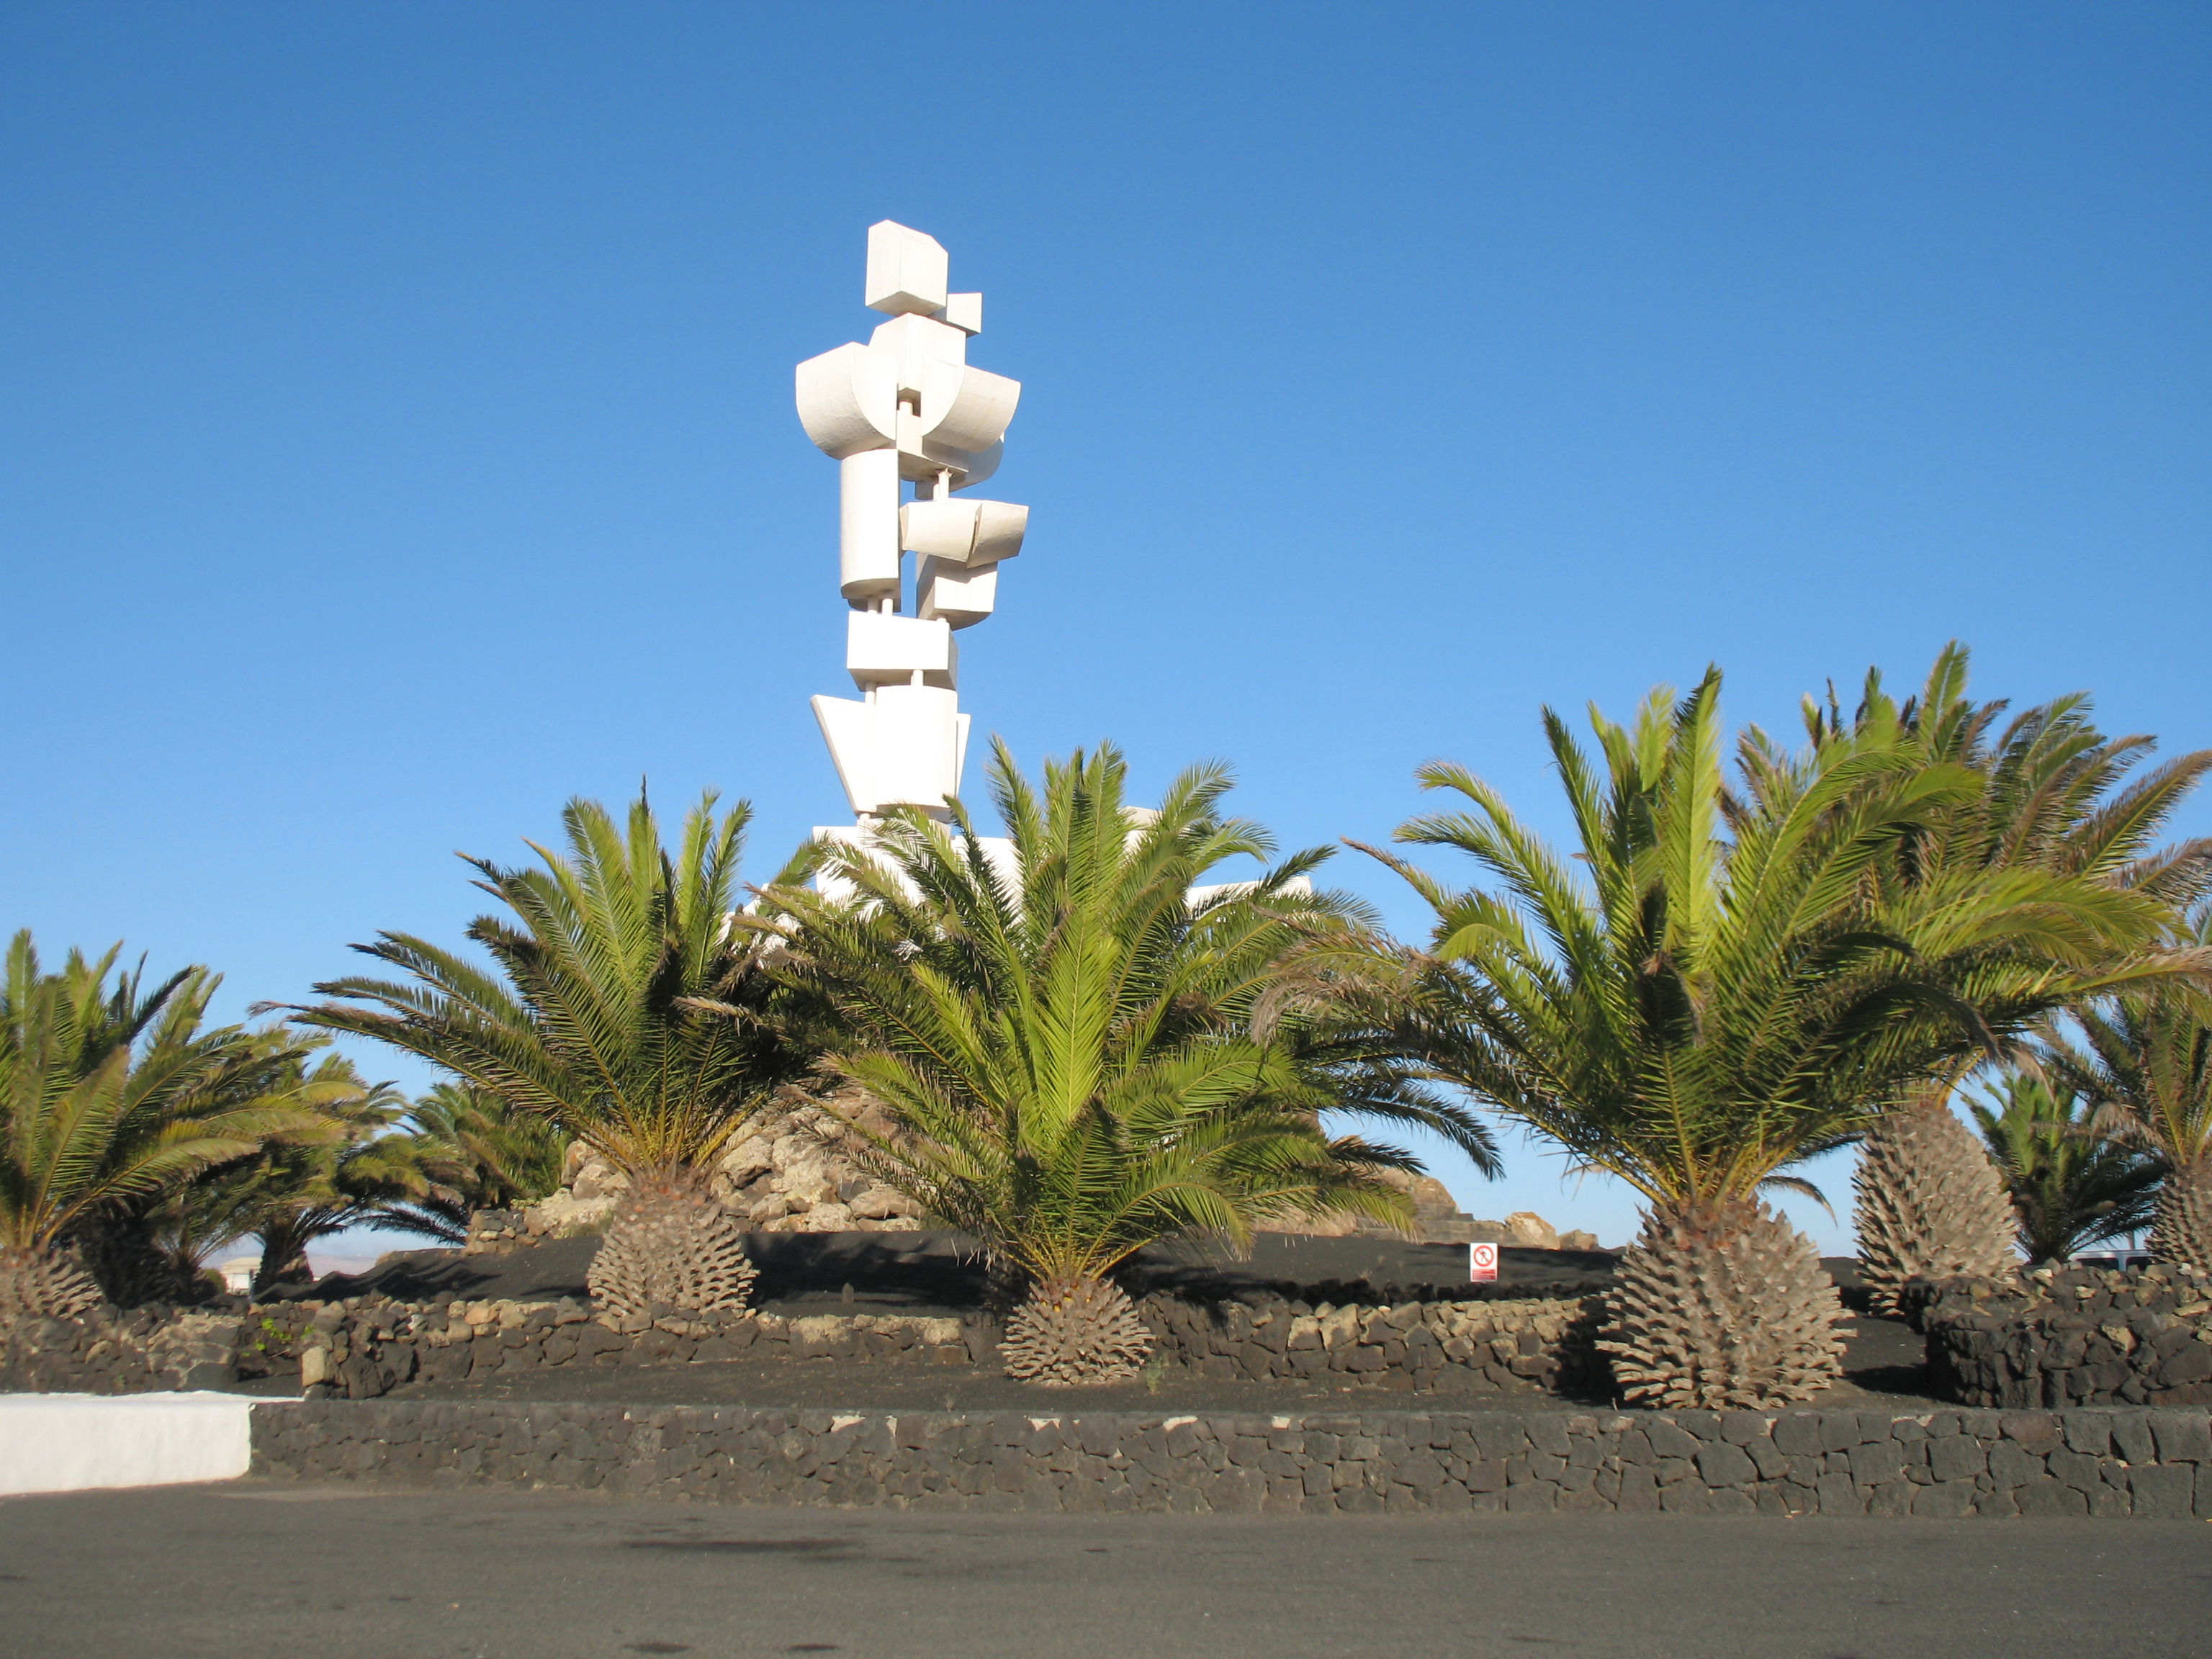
963,533
967,470
966,408
902,749
913,344
965,311
868,526
849,400
921,737
959,595
907,270
884,649
939,530
1000,528
924,459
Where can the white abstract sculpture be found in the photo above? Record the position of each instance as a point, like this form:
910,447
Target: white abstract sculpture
907,407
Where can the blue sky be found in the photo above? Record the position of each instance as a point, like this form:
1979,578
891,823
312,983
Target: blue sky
396,434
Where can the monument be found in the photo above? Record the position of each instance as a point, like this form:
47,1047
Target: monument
908,408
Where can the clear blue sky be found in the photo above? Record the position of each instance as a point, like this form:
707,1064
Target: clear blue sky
396,432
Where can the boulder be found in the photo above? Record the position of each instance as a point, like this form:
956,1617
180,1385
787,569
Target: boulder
1531,1231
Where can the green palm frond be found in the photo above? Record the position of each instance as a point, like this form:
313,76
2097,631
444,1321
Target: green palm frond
1065,1040
115,1098
606,1012
1724,980
2143,1061
2072,1187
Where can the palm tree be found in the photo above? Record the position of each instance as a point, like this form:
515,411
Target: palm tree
2051,793
1708,1001
112,1095
305,1184
481,1154
298,1190
1061,1039
2145,1062
2070,1187
596,1021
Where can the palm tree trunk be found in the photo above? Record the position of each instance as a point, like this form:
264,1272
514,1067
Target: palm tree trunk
1931,1204
671,1245
1075,1328
44,1283
284,1258
2181,1230
1722,1305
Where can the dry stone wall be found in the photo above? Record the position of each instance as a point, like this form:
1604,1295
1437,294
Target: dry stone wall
1423,1347
143,1351
363,1349
2152,1464
2071,1336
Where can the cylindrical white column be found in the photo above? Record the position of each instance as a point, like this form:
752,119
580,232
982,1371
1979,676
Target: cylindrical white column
868,524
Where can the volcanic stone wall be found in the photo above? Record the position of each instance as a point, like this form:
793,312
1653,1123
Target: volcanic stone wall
143,1351
363,1348
2146,1463
1420,1347
2072,1336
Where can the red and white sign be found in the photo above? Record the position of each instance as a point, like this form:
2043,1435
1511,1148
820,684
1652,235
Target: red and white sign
1481,1262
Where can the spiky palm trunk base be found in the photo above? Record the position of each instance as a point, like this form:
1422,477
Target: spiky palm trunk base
1719,1307
1931,1205
44,1284
2181,1227
671,1245
1075,1330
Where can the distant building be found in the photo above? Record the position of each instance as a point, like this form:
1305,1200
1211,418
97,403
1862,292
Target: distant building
238,1273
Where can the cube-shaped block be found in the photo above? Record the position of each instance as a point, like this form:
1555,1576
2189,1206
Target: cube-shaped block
886,650
965,311
959,595
907,270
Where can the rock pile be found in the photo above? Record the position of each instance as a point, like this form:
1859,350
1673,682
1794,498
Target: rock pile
2075,1335
786,1176
1437,1219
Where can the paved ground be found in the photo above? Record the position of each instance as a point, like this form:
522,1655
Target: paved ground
346,1573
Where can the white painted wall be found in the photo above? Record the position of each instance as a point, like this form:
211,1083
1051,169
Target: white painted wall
71,1442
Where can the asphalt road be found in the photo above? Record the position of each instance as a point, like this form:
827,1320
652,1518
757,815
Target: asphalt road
348,1573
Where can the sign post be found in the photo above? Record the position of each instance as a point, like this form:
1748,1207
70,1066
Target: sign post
1481,1263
